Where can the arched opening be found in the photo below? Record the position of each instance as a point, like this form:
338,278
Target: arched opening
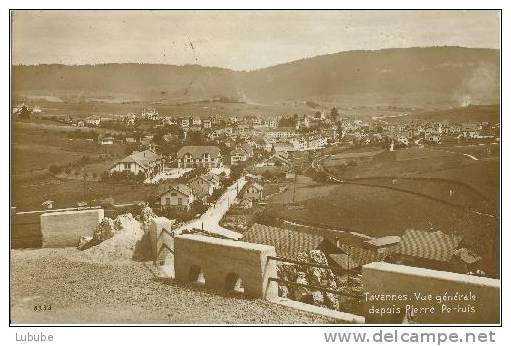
196,275
233,283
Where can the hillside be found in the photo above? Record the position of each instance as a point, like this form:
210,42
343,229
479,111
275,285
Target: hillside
472,113
435,75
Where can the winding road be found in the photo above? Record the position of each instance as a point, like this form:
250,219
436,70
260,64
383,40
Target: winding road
209,221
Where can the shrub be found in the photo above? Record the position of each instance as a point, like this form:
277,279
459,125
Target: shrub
54,169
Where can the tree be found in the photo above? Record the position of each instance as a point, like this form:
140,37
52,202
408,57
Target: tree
194,138
197,207
334,114
54,169
25,113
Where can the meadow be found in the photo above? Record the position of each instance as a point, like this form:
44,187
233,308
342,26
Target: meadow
385,193
35,148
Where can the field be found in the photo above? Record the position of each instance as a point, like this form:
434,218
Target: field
35,148
385,193
452,163
29,195
199,108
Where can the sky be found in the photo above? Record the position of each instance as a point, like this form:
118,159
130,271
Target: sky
240,40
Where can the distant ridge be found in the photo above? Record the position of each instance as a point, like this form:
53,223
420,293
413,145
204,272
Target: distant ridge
434,74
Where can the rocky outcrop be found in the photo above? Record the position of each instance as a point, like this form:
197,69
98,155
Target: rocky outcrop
105,230
312,276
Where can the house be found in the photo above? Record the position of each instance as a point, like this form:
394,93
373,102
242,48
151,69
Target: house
278,159
185,123
470,131
432,138
206,123
287,243
196,121
129,119
283,147
106,141
201,186
191,156
261,144
279,133
130,140
93,121
48,204
168,121
272,123
238,155
360,249
176,196
304,143
253,191
145,162
213,179
427,249
149,114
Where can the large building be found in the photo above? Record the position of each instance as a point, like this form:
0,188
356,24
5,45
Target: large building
147,162
192,156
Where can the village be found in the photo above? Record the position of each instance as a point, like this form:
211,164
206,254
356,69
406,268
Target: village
255,167
220,176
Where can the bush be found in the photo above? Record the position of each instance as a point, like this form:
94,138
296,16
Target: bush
198,207
54,169
264,218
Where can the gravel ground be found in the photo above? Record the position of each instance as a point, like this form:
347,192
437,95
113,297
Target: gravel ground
80,291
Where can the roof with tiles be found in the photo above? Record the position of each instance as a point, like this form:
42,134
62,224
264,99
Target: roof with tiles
143,158
198,151
287,243
436,246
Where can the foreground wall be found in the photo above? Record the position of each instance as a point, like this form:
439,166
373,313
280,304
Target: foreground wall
62,229
393,293
220,259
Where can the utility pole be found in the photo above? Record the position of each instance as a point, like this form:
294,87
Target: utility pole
85,186
294,187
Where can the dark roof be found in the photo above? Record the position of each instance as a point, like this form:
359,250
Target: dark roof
197,151
467,255
436,246
364,255
287,243
143,158
212,177
345,261
182,188
384,241
199,190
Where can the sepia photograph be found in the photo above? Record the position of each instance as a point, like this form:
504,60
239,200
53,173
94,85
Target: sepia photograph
255,167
